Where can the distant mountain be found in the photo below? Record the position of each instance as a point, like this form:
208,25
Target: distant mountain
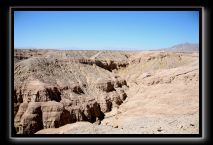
185,47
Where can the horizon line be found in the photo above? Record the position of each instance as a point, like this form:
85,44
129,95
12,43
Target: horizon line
118,49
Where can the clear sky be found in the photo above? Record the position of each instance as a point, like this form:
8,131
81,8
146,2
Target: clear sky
133,30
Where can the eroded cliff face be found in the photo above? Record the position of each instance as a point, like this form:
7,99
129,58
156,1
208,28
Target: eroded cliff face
52,92
114,89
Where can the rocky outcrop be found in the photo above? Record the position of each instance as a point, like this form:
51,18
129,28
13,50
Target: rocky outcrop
45,94
105,64
31,121
111,99
110,85
54,114
17,119
87,109
49,102
106,86
34,116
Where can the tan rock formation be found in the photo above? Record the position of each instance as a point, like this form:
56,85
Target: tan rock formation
114,91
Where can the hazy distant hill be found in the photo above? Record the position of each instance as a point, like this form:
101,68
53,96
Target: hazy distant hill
185,47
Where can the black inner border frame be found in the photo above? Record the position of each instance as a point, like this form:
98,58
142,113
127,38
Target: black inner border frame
108,8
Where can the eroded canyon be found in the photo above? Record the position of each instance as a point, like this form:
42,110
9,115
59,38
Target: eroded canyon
105,92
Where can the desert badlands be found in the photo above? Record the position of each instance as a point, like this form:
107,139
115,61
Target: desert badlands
105,92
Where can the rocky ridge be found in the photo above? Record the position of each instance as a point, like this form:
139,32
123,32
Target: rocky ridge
114,90
51,92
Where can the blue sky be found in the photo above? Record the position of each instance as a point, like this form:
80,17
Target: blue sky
127,30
